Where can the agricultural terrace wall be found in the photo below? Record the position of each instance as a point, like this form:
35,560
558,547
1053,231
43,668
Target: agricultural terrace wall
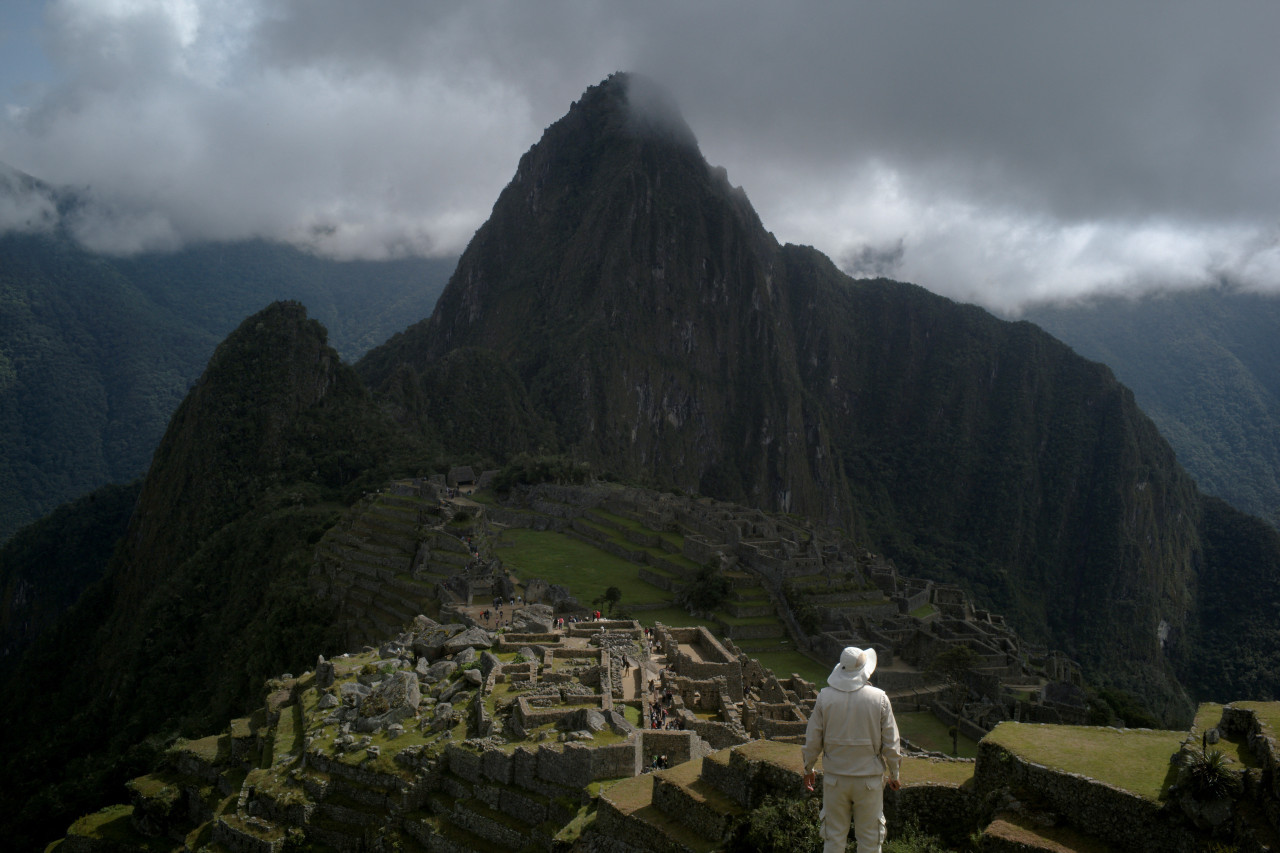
941,810
1127,820
663,583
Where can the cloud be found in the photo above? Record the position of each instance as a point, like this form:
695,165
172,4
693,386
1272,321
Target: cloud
996,152
25,206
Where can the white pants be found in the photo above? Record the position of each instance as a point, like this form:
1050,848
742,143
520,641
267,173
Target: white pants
863,796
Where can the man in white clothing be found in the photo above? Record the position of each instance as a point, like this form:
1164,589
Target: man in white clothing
852,727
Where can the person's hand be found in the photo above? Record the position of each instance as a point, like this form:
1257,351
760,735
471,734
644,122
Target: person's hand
894,784
810,779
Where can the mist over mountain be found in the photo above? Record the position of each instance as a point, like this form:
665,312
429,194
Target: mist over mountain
97,351
1202,364
624,306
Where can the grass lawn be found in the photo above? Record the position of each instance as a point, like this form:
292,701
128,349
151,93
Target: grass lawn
673,617
584,569
1136,760
926,731
922,770
784,660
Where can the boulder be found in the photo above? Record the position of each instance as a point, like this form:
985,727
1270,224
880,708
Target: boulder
443,718
473,676
422,624
470,638
488,663
583,719
466,657
430,643
618,723
439,671
327,701
454,689
353,693
394,699
534,619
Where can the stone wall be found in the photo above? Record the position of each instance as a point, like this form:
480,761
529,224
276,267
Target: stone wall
941,810
1126,820
678,747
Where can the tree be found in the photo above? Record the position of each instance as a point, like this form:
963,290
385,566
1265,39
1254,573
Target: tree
955,665
612,596
706,592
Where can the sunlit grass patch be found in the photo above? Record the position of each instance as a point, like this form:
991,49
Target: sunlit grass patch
926,731
1134,760
584,569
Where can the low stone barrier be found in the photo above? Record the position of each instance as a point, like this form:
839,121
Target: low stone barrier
1126,820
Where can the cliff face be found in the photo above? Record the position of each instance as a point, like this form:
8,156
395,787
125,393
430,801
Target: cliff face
669,338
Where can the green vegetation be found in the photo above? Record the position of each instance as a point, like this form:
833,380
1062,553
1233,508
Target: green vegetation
1201,363
586,570
1209,775
926,731
108,347
1136,760
784,660
112,825
706,592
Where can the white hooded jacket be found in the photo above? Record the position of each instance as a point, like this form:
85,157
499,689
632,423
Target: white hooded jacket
855,731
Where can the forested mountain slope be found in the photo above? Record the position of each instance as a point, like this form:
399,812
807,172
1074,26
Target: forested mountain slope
1205,365
96,352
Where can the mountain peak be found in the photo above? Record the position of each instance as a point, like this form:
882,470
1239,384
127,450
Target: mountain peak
637,106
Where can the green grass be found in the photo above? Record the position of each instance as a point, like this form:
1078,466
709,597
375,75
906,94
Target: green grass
926,731
584,569
926,770
784,661
924,611
114,825
674,617
1136,760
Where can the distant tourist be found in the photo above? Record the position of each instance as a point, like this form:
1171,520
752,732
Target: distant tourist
853,729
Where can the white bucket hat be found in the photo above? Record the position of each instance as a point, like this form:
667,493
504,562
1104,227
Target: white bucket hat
854,669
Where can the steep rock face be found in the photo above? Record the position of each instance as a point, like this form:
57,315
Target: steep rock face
988,453
671,339
639,299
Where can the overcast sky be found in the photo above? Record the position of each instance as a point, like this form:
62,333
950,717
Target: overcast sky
993,152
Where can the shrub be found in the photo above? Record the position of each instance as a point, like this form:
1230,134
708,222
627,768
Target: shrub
780,823
1209,777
